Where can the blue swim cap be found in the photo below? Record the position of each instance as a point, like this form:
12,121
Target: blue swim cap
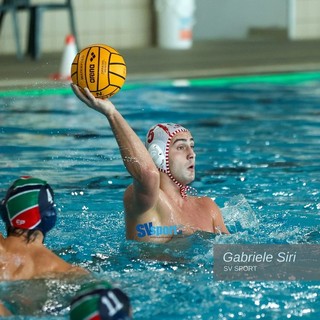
29,204
99,300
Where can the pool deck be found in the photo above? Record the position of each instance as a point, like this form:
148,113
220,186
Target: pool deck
205,59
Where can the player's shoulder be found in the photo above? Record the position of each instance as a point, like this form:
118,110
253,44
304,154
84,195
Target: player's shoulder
205,201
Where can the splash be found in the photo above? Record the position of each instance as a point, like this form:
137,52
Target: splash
239,215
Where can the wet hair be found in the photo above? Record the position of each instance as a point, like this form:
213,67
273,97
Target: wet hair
30,235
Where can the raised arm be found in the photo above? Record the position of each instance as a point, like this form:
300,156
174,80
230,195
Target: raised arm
134,154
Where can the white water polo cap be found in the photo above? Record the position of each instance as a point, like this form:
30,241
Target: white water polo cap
158,143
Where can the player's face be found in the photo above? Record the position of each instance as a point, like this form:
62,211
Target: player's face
182,157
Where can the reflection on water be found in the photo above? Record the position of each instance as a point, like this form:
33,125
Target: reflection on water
36,297
257,156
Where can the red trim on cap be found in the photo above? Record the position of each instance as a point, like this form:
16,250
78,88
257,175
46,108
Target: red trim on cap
183,188
27,219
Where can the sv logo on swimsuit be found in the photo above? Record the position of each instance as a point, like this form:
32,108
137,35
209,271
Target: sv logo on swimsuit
147,229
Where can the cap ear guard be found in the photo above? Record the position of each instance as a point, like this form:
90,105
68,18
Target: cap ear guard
47,209
114,305
157,155
4,213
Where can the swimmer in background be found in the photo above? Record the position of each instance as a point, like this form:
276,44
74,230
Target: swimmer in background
28,212
161,170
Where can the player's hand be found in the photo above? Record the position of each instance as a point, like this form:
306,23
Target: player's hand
104,106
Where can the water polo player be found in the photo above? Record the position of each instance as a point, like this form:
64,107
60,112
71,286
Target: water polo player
157,198
28,212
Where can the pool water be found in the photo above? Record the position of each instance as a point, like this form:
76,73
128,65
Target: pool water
257,146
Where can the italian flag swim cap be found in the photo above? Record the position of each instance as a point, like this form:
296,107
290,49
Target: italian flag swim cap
29,204
99,300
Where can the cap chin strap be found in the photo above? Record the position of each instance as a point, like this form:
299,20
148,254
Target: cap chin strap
184,189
